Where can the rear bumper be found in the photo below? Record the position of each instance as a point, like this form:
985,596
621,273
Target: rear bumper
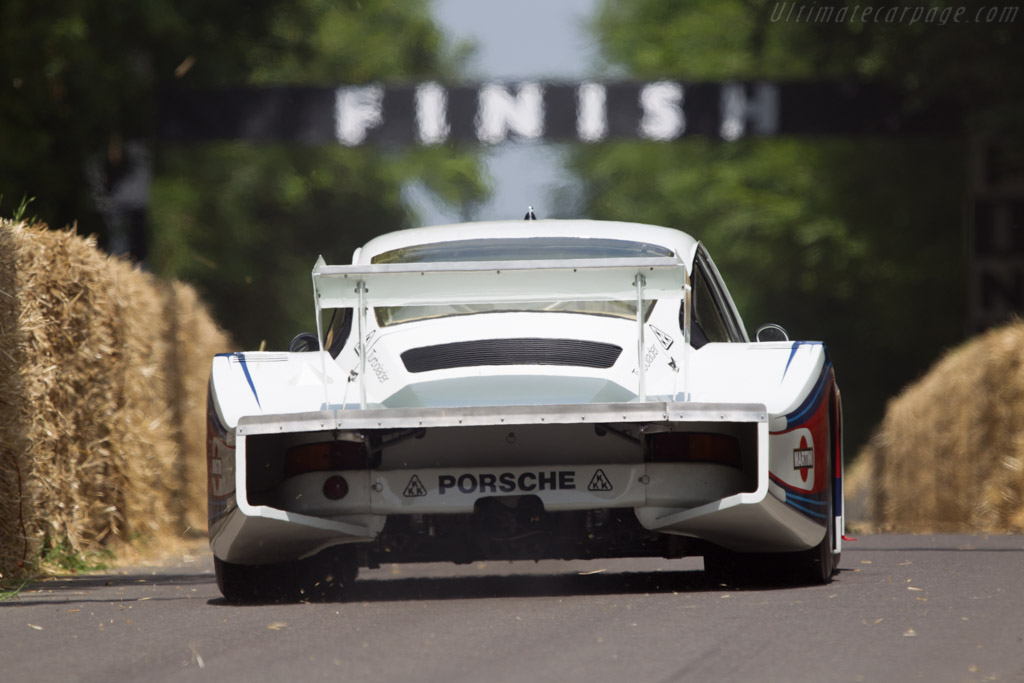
713,502
409,418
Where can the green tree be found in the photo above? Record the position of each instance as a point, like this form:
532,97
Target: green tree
858,242
247,222
243,222
79,78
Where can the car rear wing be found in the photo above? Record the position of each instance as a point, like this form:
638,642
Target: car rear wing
498,282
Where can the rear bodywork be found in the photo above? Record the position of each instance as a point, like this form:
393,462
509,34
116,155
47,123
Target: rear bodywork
529,432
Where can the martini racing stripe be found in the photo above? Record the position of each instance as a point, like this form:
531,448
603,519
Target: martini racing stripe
813,400
812,505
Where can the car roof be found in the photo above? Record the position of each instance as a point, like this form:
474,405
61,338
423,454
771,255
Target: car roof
679,242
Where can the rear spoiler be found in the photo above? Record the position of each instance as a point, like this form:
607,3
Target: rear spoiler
425,284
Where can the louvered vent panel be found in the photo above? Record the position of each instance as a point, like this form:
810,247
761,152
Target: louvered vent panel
587,354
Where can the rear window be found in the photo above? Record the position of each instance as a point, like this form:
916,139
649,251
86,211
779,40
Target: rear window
517,249
521,249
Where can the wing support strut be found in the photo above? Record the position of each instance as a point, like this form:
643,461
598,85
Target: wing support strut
361,291
639,282
687,321
320,332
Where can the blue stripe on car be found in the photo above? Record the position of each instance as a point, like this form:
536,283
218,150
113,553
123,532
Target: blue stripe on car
804,499
806,511
792,353
810,403
248,377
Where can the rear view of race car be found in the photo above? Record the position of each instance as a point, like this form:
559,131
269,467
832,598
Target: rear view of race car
523,390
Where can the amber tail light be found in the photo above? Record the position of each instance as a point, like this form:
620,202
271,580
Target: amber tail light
324,457
695,447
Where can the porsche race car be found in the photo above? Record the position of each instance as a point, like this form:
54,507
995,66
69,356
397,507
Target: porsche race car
511,390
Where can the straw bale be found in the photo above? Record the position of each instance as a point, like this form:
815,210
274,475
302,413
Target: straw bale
93,411
14,540
195,338
949,454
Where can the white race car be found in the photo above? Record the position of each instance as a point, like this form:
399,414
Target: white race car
523,390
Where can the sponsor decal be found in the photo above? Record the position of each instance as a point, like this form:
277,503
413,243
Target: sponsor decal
378,368
415,488
507,482
372,360
221,470
662,337
649,357
367,342
216,468
599,482
803,458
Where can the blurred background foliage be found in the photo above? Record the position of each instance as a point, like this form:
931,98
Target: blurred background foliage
243,222
860,242
856,241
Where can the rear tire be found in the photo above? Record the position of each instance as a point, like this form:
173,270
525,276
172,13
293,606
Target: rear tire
815,566
322,577
248,583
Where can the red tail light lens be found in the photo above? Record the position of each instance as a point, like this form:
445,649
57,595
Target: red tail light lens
695,447
335,488
324,457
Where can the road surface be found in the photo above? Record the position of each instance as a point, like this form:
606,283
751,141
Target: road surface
935,608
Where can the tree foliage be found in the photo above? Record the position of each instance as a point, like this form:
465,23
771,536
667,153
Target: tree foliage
859,242
243,222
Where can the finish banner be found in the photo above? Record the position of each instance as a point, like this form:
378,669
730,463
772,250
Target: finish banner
589,112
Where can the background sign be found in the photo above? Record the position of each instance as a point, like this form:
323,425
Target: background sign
492,113
592,112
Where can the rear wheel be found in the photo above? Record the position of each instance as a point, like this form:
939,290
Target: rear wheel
814,566
322,577
247,583
817,565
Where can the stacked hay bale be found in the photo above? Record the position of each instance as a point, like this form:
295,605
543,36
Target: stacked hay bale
102,385
949,455
194,339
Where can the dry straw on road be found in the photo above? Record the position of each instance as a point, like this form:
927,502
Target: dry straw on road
103,372
949,455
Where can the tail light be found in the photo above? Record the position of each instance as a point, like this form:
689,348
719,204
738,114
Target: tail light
335,487
695,447
324,457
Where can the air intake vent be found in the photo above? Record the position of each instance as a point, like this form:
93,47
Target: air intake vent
585,354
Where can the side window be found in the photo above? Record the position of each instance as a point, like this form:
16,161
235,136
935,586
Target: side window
706,311
338,330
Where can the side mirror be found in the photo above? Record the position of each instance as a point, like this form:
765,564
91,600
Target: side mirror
304,341
770,332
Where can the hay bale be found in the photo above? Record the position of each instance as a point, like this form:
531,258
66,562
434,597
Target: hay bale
14,539
93,407
949,455
193,332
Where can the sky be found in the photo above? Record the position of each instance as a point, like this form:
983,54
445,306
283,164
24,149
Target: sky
525,39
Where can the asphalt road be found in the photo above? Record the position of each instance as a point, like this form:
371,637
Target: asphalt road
935,608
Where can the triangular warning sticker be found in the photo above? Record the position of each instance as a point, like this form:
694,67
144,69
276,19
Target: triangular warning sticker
663,338
415,488
599,482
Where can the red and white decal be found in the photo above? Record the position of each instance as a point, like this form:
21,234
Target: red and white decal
220,466
793,458
798,454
